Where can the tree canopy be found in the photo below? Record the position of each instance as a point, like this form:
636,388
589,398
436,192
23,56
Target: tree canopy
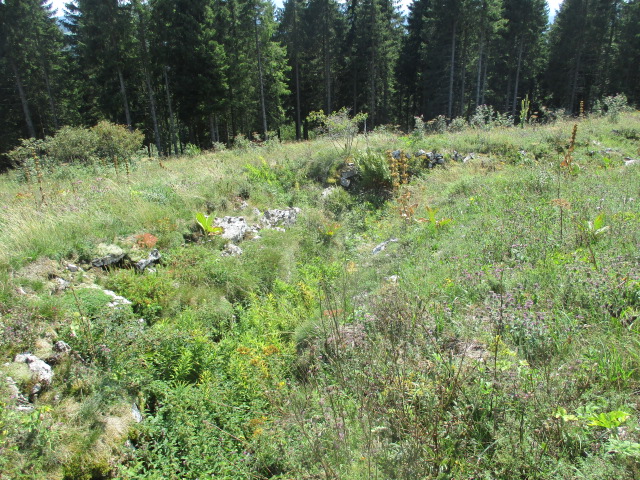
206,71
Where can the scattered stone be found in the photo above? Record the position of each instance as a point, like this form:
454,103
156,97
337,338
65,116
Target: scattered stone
392,279
73,268
61,347
631,161
396,154
108,255
379,248
235,228
468,158
327,191
280,217
136,413
58,352
117,300
154,257
347,174
231,250
41,372
432,159
60,285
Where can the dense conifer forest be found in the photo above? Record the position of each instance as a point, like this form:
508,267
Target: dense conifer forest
203,72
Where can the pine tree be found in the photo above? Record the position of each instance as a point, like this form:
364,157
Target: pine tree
414,62
581,45
626,69
373,43
522,50
192,62
31,45
103,40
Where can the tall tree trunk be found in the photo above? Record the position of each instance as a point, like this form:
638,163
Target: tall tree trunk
452,68
23,99
172,125
52,104
298,120
147,77
152,109
608,51
325,51
574,87
515,88
480,67
297,69
463,70
47,83
484,77
125,103
373,69
578,64
262,100
507,97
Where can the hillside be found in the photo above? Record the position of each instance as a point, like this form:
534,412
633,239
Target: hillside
468,310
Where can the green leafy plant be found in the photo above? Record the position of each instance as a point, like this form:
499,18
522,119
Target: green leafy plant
608,419
191,150
624,448
525,106
438,223
374,170
206,224
592,231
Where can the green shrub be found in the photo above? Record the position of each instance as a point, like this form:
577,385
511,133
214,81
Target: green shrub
339,127
612,106
116,142
73,145
240,142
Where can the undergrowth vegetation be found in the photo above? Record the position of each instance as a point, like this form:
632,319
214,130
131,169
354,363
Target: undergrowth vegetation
478,319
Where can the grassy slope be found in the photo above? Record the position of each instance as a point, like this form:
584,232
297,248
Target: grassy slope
499,345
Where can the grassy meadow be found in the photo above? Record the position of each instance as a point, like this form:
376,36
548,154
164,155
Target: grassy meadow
493,336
